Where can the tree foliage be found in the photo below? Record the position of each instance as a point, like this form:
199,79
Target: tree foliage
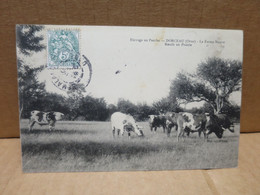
143,111
75,97
126,107
213,82
166,104
27,39
30,89
93,109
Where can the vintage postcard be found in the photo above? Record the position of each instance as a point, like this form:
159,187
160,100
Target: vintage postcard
105,98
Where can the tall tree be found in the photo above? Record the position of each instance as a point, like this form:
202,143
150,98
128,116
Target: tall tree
30,88
213,82
75,97
93,109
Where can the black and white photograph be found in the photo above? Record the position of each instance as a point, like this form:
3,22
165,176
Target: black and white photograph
106,98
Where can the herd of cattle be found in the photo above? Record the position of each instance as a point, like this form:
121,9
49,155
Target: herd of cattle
182,122
185,122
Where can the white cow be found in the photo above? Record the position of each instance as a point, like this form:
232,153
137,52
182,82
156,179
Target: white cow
124,123
44,118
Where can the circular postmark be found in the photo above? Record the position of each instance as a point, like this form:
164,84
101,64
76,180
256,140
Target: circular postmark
64,78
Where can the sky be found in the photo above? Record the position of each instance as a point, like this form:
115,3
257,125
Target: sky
144,69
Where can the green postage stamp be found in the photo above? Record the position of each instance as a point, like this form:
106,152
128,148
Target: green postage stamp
63,49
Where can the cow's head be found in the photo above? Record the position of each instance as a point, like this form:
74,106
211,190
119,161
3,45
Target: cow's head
58,116
212,125
151,118
228,125
230,128
218,123
156,119
219,132
225,123
138,130
135,128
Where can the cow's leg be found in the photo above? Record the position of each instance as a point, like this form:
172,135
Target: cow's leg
151,128
31,123
129,135
207,134
118,132
179,134
113,132
168,131
155,128
199,132
183,135
122,132
204,133
187,131
167,126
163,129
206,137
51,125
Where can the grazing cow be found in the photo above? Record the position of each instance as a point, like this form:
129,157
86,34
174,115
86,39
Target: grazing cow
217,124
124,123
188,122
157,121
44,118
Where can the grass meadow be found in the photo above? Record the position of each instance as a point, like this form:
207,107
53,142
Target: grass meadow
90,146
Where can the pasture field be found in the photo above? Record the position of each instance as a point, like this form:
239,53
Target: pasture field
90,146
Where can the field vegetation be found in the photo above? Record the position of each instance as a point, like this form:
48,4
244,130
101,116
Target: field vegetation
90,146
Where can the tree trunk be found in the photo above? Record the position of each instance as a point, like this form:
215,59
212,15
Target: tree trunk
21,111
219,104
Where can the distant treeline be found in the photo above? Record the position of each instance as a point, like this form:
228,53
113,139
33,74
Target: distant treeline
85,108
89,108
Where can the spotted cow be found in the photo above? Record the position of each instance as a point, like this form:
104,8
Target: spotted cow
44,118
190,123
